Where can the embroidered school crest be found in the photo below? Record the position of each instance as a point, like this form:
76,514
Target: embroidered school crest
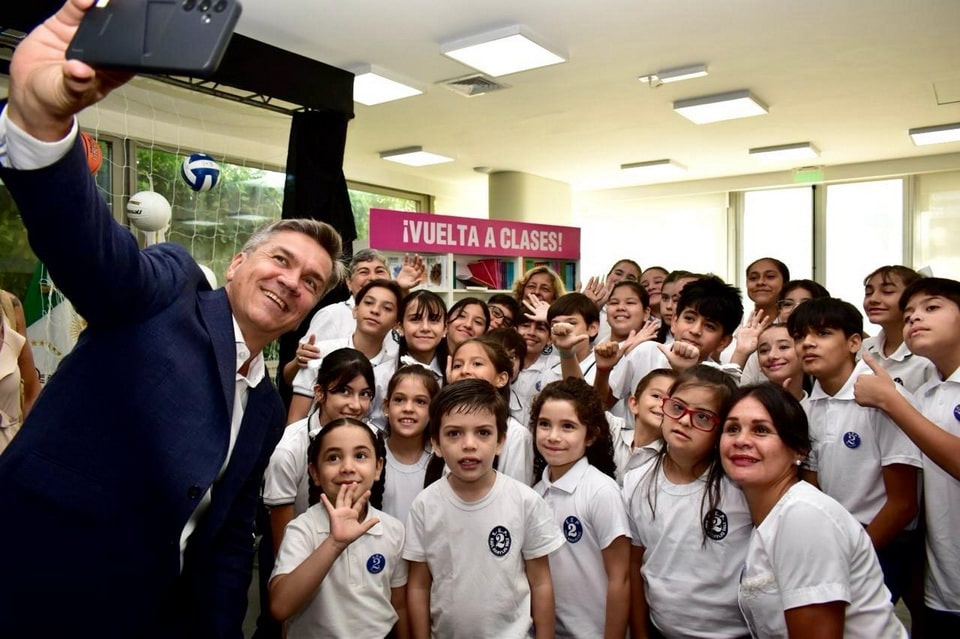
572,529
376,563
499,541
715,524
851,439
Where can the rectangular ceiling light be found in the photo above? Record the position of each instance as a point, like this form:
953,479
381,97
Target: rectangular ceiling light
723,106
675,75
374,85
501,52
936,134
655,169
798,151
414,156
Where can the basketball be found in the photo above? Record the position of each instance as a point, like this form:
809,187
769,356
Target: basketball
200,171
92,151
148,211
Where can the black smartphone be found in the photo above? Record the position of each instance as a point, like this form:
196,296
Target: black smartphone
179,37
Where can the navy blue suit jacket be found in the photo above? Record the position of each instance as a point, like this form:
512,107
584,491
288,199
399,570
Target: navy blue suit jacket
126,438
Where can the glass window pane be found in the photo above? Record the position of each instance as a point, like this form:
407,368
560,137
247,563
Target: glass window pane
864,231
778,223
937,225
361,201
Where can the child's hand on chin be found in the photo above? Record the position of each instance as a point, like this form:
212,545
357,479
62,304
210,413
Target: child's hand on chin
345,524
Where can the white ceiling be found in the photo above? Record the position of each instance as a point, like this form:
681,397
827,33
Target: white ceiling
850,76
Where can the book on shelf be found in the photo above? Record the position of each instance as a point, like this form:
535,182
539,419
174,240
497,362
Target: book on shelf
436,272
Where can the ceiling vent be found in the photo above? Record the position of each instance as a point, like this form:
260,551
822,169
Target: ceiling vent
473,85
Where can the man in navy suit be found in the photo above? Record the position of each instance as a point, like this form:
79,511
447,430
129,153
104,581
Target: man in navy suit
127,501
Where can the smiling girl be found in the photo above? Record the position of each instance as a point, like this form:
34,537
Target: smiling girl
575,464
340,564
690,527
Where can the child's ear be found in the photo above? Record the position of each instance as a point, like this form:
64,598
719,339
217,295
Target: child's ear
436,447
502,379
854,342
724,342
314,474
319,395
593,329
633,405
379,469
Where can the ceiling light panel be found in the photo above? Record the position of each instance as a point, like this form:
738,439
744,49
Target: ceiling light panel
939,134
501,52
414,156
798,151
723,106
375,85
655,169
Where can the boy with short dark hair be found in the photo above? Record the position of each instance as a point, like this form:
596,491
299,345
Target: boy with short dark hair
574,320
931,308
858,457
477,540
504,310
708,312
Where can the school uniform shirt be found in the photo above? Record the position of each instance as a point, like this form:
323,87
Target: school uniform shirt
940,403
752,374
530,382
851,445
909,370
516,456
475,553
353,600
809,550
382,374
306,378
403,483
690,581
588,367
285,480
589,511
336,321
624,455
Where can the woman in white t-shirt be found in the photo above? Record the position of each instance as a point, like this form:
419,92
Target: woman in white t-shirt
810,567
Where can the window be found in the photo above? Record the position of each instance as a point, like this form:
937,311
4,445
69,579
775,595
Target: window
364,197
864,230
938,223
778,223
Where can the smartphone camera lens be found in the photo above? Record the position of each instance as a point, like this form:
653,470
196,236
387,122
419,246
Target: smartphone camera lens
220,6
188,5
204,6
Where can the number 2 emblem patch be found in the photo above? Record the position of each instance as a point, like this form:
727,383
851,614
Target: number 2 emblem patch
572,529
499,541
376,563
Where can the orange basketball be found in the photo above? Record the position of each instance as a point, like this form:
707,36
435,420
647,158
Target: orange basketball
92,149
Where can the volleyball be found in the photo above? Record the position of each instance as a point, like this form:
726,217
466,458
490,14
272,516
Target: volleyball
92,151
148,211
200,171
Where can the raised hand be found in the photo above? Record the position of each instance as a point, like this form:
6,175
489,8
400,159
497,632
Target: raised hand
536,308
681,355
307,351
412,272
873,390
564,337
345,524
749,333
46,89
597,290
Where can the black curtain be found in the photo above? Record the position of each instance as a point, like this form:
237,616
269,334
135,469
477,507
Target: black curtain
316,188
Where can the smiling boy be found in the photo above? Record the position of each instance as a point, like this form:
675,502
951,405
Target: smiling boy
477,540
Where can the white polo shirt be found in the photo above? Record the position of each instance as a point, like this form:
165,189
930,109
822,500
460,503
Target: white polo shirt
940,403
690,584
909,370
285,480
588,367
624,455
530,382
403,483
851,445
356,591
809,550
628,372
336,321
306,378
516,456
475,552
589,511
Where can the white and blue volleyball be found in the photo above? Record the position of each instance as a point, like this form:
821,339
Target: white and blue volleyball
200,171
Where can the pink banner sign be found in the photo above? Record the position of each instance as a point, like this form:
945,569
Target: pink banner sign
425,233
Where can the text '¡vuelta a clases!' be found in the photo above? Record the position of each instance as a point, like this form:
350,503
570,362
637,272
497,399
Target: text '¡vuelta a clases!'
466,235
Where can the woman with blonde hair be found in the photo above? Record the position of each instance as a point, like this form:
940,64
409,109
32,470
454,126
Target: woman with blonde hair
541,281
